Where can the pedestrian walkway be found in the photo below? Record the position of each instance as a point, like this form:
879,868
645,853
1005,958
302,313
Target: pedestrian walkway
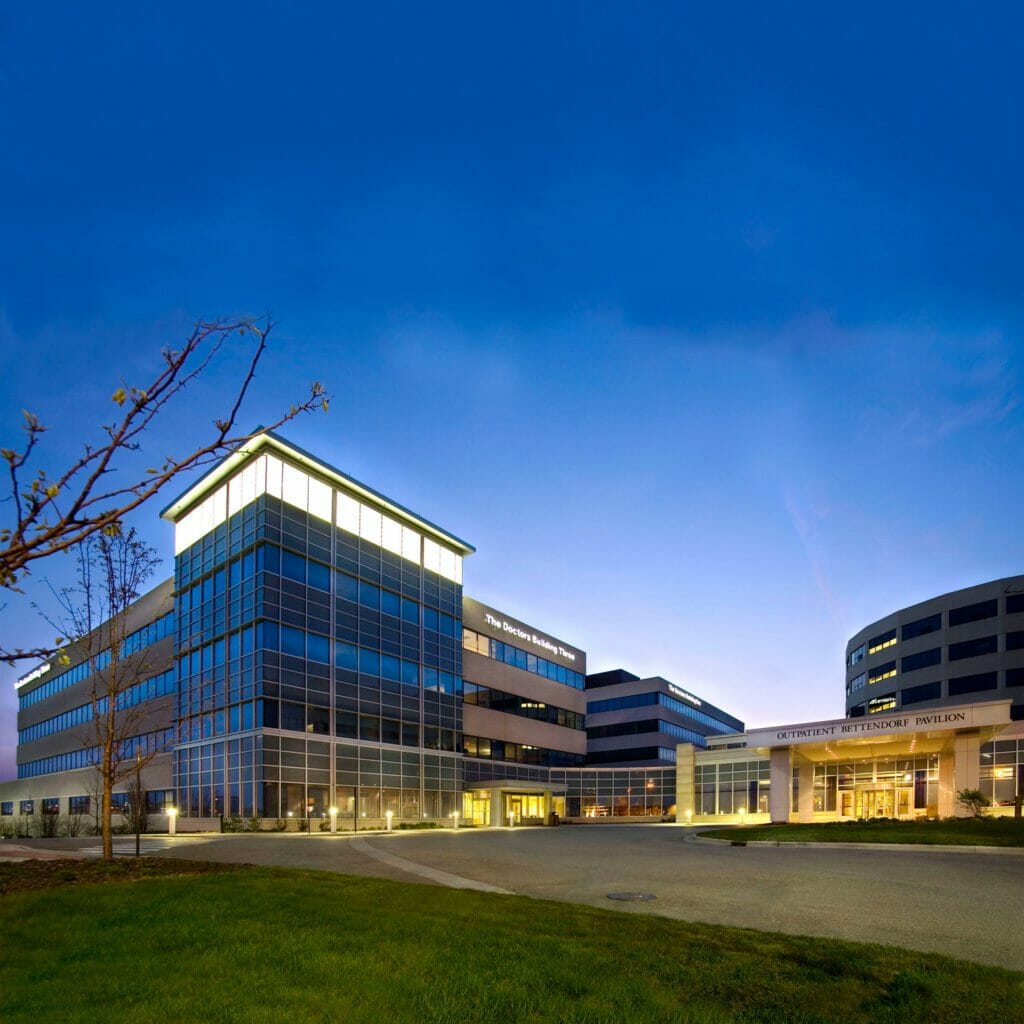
125,847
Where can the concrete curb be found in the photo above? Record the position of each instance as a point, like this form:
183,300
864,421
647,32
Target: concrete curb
1013,851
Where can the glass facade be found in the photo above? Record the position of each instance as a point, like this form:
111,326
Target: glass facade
1002,771
319,656
518,658
617,792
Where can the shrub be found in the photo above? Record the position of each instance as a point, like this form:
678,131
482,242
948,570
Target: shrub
280,825
234,825
973,801
74,824
254,824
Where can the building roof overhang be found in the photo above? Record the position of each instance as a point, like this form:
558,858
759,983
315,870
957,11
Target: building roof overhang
268,440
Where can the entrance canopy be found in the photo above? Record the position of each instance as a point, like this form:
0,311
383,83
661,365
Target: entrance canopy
921,732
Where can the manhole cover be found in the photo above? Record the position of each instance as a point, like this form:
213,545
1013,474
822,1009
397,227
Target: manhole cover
632,897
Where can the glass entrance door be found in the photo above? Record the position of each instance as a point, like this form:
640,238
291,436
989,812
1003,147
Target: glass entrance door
874,802
477,809
526,807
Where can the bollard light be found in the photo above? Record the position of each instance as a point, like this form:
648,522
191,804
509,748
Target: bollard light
389,816
172,820
455,820
689,817
333,812
511,819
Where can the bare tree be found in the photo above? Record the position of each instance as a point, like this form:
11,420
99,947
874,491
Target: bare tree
112,568
51,512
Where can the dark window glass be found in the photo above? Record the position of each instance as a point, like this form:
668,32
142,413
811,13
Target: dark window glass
390,603
881,671
318,648
973,648
1015,640
410,611
293,716
293,566
348,586
887,702
974,612
881,640
1015,677
857,711
319,576
7,807
972,684
1014,603
345,655
920,627
921,660
916,694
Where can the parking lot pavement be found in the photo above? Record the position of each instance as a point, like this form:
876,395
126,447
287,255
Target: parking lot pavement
964,905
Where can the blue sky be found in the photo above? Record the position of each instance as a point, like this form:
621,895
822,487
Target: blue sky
704,326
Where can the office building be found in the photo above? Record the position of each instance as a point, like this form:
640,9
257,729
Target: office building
641,721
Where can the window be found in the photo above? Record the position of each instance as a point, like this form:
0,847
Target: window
857,711
916,694
886,703
514,656
1015,677
78,805
920,627
51,805
1014,603
883,640
921,660
7,808
857,683
856,656
972,684
880,672
158,800
973,648
974,612
28,807
1015,640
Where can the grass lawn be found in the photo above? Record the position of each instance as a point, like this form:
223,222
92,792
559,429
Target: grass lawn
953,832
263,945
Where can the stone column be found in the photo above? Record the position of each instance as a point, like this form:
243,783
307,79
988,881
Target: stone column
947,791
966,767
780,798
805,797
686,762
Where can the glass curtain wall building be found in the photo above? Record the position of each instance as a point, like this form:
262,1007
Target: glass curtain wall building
319,646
